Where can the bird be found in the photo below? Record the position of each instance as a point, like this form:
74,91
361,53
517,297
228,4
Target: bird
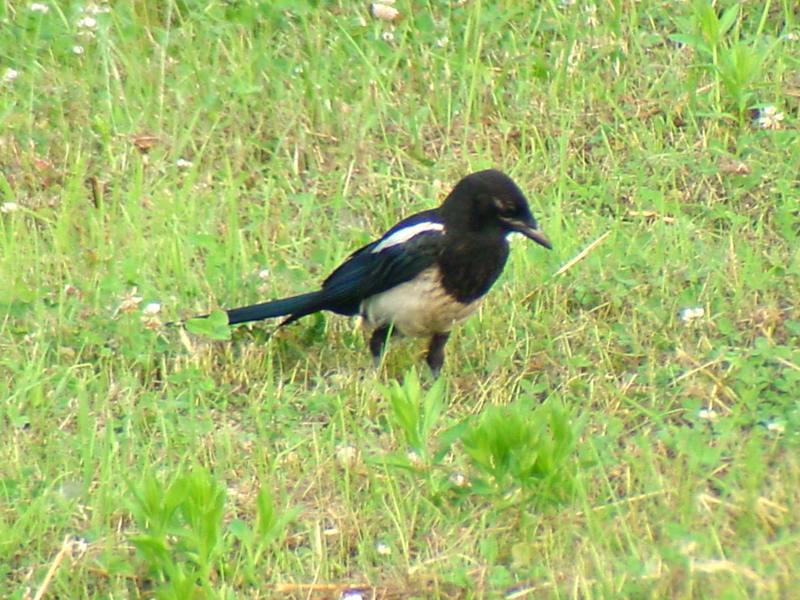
426,274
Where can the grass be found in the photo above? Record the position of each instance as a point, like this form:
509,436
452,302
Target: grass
584,441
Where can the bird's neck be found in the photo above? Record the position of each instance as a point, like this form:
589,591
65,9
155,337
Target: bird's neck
471,263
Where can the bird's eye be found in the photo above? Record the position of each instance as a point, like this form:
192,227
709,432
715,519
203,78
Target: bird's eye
505,208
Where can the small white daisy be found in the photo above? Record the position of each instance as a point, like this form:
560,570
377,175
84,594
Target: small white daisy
414,458
78,50
79,546
94,9
769,118
687,315
383,12
39,8
458,479
383,548
387,36
776,427
707,414
10,75
152,309
87,23
346,455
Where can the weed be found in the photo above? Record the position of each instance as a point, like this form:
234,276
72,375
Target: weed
517,448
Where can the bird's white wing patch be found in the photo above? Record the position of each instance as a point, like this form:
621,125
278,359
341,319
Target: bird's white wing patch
406,233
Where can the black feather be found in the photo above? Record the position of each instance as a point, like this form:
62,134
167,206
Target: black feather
296,306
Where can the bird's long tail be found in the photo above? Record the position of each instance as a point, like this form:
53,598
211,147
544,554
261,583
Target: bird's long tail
294,307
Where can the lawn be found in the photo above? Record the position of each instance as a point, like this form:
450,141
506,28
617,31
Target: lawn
620,419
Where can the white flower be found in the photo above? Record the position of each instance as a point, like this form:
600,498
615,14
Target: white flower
776,427
458,479
9,207
769,118
387,36
79,546
707,414
383,12
93,9
792,36
442,41
346,455
39,7
691,314
383,548
182,163
152,309
77,50
87,23
149,316
10,75
263,274
414,458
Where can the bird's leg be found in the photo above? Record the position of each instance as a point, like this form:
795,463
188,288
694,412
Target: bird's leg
435,358
377,343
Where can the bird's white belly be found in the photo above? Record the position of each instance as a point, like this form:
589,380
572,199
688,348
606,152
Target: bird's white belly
417,308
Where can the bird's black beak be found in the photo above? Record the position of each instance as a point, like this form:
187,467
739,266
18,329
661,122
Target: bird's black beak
529,230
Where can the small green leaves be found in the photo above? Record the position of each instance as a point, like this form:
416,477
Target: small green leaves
510,448
270,521
214,326
414,412
181,535
517,448
735,64
181,529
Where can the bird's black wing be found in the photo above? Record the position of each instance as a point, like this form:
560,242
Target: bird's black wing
402,253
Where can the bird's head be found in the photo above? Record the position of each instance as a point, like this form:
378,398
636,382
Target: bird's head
491,201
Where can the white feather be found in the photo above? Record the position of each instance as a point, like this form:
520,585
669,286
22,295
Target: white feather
406,233
417,308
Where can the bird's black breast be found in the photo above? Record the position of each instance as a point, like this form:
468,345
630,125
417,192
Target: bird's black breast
471,265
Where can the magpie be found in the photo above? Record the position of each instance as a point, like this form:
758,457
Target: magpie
424,275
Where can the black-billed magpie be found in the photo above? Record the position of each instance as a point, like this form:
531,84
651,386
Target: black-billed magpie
427,273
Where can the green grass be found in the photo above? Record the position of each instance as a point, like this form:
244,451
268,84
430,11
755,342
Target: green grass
584,441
